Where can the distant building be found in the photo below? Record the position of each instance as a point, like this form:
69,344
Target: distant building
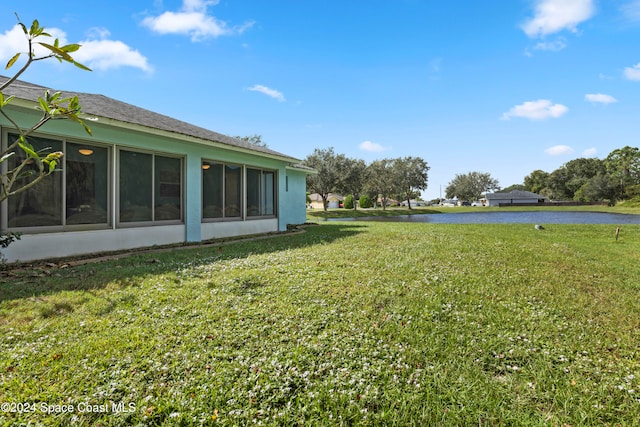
333,201
514,197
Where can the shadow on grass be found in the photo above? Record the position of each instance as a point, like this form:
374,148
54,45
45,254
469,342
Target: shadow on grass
41,280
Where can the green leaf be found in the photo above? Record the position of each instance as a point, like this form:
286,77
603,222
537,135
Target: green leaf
5,101
28,149
35,26
12,61
82,67
44,105
61,54
71,47
87,129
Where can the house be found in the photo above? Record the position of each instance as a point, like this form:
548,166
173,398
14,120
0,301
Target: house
514,197
333,201
142,179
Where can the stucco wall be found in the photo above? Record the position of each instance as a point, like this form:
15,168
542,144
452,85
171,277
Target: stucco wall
293,198
57,245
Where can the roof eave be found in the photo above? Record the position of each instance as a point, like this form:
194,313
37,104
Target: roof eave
92,118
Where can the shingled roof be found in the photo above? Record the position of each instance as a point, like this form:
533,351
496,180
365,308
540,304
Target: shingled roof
105,107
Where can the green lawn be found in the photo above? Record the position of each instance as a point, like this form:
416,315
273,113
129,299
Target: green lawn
349,323
319,214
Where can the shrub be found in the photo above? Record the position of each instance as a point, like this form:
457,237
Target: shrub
348,202
365,201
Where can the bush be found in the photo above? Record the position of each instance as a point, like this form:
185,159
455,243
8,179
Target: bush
630,203
348,202
365,201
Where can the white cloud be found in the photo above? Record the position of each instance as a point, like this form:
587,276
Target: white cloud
192,20
372,147
632,73
559,150
109,54
600,98
553,46
552,16
536,110
268,91
99,54
14,41
11,42
590,152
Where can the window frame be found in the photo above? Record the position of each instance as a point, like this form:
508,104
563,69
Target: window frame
223,189
63,169
274,189
153,222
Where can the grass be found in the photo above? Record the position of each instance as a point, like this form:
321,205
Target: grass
319,214
350,323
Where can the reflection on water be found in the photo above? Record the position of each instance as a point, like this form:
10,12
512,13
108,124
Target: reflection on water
534,217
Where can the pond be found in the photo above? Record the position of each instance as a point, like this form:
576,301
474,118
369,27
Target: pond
529,217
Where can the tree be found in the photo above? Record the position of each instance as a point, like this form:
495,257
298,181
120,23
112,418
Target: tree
597,188
410,176
26,166
471,186
564,182
580,171
380,181
513,187
623,165
353,175
536,181
253,140
557,185
327,163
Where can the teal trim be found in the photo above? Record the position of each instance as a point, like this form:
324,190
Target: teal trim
193,198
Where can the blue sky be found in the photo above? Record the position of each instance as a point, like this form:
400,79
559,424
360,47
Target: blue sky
496,86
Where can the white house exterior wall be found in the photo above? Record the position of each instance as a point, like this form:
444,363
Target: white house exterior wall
72,243
217,230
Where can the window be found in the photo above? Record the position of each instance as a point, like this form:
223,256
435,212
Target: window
212,194
75,194
136,186
260,192
221,190
232,191
41,205
150,187
86,184
168,194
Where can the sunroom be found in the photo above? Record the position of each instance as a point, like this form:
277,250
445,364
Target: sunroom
142,179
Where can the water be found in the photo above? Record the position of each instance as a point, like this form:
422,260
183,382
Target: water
531,217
